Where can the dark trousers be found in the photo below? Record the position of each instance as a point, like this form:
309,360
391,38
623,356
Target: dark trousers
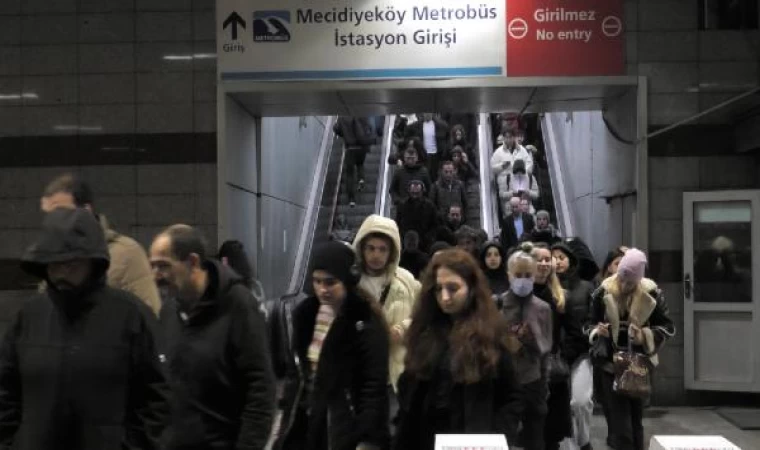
533,415
601,398
626,415
432,163
353,167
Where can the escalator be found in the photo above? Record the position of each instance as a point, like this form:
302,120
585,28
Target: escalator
534,135
328,202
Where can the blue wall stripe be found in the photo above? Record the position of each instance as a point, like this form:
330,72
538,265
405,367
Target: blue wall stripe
364,73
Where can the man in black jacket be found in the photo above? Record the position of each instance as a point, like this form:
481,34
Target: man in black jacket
357,136
418,214
219,365
79,367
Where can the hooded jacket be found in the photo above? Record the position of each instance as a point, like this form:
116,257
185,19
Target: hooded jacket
79,368
130,269
401,286
220,368
578,297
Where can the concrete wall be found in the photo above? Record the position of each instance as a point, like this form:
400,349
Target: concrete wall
596,165
689,70
122,93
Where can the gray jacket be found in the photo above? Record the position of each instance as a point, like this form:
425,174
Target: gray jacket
528,351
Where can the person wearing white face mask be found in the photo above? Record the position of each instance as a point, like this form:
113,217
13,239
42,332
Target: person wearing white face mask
529,340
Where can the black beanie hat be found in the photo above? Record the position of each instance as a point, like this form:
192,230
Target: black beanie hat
339,260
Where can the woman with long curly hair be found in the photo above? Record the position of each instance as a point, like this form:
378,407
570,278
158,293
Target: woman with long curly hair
458,375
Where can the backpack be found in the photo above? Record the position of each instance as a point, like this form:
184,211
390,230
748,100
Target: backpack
363,131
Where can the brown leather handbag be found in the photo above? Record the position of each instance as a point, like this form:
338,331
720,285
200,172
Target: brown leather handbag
633,374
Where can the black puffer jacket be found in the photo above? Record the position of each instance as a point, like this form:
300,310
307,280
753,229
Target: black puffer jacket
220,368
349,401
79,368
578,291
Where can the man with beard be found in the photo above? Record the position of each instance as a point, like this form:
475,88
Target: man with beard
220,368
412,171
446,231
79,367
129,268
418,213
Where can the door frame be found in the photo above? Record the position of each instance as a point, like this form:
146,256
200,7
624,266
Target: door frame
690,307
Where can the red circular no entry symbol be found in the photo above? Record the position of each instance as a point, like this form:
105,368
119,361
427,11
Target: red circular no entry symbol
518,28
612,26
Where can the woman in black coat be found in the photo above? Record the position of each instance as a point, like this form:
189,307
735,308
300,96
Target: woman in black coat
578,303
568,343
459,377
335,395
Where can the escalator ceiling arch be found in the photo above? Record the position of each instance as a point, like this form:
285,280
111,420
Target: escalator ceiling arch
366,98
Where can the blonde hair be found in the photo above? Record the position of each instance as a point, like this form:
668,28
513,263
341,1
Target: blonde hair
521,256
558,293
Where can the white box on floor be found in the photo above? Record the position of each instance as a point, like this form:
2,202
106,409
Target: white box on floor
691,443
470,441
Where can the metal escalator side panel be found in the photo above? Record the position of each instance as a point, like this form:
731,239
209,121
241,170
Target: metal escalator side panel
488,194
382,199
556,175
330,153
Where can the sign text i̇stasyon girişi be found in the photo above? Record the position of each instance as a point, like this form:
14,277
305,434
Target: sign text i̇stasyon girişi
391,15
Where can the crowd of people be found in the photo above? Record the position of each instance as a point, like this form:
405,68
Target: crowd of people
409,328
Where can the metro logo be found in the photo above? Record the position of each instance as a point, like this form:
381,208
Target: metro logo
554,38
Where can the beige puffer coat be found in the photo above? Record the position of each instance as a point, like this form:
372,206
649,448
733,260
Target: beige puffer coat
403,290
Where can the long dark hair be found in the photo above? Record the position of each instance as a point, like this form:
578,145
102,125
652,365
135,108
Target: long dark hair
237,260
611,256
474,340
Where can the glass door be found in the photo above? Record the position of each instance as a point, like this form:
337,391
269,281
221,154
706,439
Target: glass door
721,335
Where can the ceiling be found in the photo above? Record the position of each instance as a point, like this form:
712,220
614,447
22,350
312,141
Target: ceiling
364,98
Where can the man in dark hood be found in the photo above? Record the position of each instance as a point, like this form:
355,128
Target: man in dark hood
129,269
79,367
220,368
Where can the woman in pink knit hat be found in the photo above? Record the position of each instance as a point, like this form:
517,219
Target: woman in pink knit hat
627,307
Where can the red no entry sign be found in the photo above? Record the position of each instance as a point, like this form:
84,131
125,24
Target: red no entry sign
517,28
579,38
612,26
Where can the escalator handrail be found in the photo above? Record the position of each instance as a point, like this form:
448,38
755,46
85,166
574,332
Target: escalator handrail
382,200
314,203
488,193
561,206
